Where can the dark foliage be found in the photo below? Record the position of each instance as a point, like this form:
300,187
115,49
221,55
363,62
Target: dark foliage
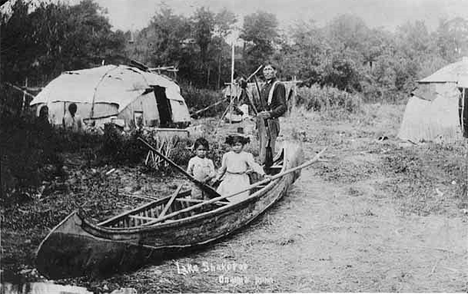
31,154
43,42
121,148
198,99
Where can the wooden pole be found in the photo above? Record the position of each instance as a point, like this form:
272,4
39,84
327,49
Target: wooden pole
24,95
292,100
277,176
463,113
232,81
19,89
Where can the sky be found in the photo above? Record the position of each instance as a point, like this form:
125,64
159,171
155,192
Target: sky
136,14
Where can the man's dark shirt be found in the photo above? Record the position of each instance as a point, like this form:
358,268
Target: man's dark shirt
278,104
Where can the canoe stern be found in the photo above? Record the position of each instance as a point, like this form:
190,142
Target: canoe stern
69,251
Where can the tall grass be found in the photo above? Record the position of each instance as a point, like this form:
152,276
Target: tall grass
327,99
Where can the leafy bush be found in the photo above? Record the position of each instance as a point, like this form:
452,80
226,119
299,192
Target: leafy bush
197,99
327,98
390,80
340,71
121,148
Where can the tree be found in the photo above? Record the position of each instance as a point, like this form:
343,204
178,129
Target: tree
341,71
203,23
224,25
348,31
52,38
260,33
195,44
303,51
414,40
452,38
377,43
168,39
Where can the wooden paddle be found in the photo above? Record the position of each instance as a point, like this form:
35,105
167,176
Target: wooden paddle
209,190
277,176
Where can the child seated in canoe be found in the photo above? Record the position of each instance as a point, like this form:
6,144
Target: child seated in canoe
200,167
236,164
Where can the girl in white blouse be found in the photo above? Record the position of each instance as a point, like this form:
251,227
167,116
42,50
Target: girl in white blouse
236,164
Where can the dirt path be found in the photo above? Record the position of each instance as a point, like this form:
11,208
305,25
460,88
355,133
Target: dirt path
360,243
357,236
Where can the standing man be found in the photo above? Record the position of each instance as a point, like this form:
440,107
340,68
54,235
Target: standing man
272,106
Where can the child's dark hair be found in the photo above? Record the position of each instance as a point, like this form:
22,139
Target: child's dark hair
72,108
201,142
233,139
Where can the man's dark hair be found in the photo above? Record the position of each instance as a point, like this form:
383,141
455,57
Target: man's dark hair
274,66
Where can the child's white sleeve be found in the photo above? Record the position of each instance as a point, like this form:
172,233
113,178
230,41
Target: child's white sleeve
190,166
212,173
253,165
223,167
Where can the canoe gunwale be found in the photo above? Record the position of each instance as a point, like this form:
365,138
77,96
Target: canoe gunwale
88,226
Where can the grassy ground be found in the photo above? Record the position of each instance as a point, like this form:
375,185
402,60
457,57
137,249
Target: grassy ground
375,216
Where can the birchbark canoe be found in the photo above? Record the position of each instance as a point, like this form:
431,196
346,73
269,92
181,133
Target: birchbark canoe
78,247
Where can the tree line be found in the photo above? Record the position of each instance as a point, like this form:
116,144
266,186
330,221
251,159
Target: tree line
345,53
